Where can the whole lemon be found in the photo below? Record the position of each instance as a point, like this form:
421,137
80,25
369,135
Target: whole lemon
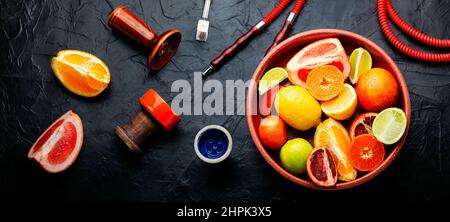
298,108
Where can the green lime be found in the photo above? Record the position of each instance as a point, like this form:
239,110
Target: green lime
271,78
389,125
294,154
361,61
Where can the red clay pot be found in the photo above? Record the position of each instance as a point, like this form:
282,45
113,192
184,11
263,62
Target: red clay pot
281,54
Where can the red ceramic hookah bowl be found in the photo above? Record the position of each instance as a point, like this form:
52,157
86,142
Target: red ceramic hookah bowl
157,116
162,47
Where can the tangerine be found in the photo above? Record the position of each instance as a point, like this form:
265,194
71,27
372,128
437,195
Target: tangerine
377,90
325,82
272,132
366,153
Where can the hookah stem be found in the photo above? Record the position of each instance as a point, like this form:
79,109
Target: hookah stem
242,41
288,24
386,9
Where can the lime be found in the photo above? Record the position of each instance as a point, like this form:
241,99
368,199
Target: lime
389,125
361,61
271,78
293,155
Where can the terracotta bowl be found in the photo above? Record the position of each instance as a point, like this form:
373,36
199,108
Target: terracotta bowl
279,57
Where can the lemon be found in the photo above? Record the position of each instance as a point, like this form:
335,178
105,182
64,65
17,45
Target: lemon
361,61
389,125
271,78
298,108
343,106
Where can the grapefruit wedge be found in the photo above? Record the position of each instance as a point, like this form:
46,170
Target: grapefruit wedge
58,147
323,52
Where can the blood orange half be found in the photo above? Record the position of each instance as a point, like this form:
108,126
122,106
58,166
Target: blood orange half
321,167
58,147
323,52
362,124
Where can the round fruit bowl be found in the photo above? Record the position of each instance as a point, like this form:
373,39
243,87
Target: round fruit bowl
279,56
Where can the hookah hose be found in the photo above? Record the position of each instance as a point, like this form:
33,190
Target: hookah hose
288,24
385,8
242,41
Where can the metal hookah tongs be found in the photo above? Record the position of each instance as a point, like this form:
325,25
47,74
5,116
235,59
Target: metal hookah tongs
203,23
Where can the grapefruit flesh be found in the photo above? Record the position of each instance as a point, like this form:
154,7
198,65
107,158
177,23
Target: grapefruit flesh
57,148
64,147
323,52
47,135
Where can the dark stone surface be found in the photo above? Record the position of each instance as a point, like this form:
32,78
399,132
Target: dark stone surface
31,98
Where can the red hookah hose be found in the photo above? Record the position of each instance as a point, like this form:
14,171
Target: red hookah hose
276,11
444,43
386,6
287,26
298,6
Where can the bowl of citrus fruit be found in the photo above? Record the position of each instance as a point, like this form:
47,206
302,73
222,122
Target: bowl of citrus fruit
328,109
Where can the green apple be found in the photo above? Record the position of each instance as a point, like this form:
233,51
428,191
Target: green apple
294,155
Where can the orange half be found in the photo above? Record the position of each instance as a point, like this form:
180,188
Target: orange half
333,135
325,82
80,72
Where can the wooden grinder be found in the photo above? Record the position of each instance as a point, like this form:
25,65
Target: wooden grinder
156,116
162,47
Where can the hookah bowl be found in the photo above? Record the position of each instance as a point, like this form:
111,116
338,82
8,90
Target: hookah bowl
162,47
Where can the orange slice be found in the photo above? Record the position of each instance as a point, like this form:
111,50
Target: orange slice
331,134
325,82
343,106
366,153
80,72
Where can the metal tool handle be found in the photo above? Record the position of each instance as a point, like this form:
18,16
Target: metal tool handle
206,9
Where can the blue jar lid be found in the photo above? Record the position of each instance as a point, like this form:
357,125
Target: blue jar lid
213,144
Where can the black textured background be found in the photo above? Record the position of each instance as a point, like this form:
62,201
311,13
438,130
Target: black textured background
31,98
